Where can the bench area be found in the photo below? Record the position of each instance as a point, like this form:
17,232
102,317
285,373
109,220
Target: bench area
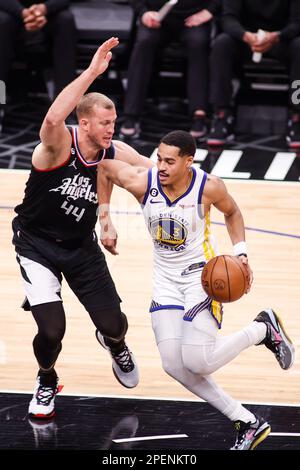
261,86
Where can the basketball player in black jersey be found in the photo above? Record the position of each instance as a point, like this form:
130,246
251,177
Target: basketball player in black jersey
54,230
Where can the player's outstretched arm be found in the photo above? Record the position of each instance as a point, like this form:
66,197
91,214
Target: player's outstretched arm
108,233
126,153
55,137
132,178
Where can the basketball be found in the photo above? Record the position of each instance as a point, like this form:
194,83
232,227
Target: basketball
225,278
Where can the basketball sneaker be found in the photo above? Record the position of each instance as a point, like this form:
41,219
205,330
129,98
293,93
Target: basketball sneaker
42,403
249,435
123,364
276,338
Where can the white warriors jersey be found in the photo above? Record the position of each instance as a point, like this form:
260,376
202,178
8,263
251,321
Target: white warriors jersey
180,231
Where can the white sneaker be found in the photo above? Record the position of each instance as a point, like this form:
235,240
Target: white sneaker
42,403
123,364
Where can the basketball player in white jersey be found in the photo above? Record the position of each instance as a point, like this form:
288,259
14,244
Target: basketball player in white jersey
176,200
54,230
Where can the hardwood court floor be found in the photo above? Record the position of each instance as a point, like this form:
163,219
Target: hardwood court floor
271,211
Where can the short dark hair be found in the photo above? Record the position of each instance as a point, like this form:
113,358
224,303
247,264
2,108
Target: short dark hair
181,139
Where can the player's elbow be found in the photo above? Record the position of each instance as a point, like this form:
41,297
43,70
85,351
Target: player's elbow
51,121
235,214
233,211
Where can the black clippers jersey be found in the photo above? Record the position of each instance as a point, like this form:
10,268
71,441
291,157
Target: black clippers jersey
61,203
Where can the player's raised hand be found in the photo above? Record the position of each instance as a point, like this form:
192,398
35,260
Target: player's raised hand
103,56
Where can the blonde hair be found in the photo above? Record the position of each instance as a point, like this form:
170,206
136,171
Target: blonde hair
86,104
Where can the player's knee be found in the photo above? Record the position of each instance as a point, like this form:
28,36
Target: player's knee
195,359
50,319
116,328
52,337
171,366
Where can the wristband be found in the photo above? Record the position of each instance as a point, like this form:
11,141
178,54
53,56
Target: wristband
239,249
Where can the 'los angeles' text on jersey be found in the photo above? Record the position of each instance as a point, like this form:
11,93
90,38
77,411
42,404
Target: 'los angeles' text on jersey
61,203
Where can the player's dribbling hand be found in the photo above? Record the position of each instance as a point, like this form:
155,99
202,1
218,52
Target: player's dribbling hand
102,57
244,260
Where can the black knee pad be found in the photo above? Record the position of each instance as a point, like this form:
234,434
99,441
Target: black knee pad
50,319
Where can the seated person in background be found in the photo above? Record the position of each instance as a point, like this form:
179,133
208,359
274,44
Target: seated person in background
190,22
19,20
241,20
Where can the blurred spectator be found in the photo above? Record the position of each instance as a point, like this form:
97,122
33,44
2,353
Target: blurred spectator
190,22
21,20
241,20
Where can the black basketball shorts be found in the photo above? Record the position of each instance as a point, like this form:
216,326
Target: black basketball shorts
43,262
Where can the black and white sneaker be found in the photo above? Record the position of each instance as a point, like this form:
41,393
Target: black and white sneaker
276,338
249,435
123,364
221,129
42,402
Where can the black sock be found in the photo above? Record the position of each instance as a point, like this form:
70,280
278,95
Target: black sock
48,377
115,347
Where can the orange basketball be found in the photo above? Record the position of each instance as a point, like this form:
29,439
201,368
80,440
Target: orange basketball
225,278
